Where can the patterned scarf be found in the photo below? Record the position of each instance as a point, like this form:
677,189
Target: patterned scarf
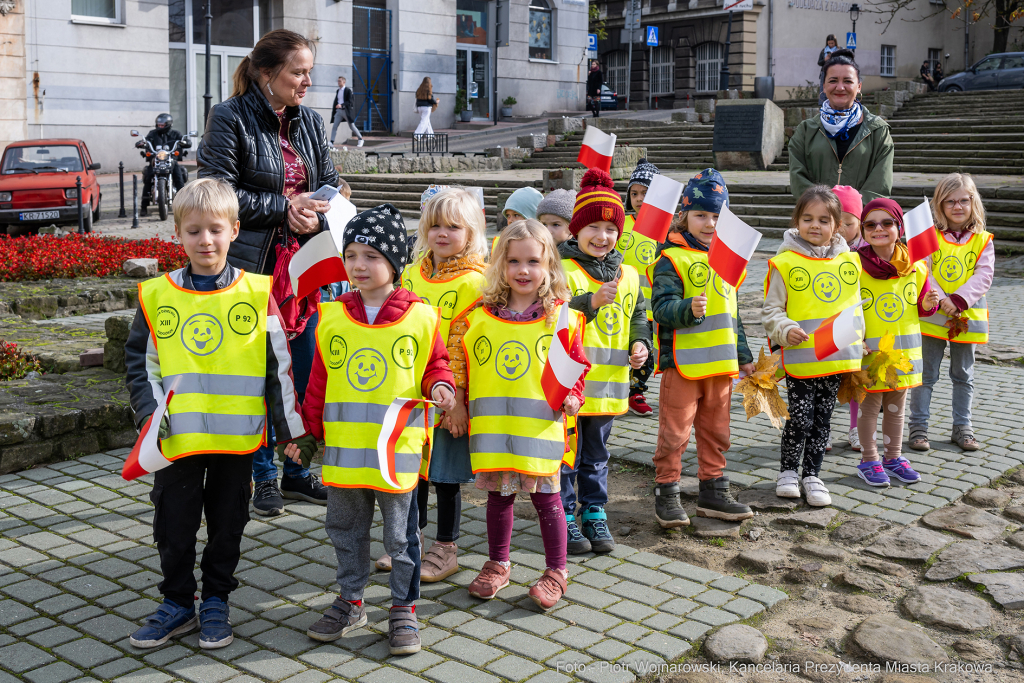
838,122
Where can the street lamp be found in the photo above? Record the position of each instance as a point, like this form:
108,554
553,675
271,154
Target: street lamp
854,15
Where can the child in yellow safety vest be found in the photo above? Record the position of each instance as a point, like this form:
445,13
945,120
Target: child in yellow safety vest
374,345
961,272
702,348
897,294
448,273
211,333
813,276
608,293
555,213
517,440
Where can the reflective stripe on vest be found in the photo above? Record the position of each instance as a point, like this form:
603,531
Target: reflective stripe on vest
452,297
951,266
511,426
204,341
817,289
368,366
708,349
891,308
639,251
607,384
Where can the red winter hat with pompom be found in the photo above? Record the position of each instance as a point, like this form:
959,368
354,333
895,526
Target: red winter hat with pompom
597,201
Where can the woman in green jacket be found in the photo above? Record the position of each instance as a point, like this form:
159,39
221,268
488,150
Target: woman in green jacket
845,144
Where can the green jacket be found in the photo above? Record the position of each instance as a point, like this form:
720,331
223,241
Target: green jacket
866,167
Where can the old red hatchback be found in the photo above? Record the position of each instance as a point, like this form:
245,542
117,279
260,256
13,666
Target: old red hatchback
37,185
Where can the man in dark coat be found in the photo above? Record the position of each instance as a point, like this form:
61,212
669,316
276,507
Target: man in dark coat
595,79
344,110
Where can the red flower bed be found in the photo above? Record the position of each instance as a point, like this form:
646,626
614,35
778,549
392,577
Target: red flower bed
44,257
14,364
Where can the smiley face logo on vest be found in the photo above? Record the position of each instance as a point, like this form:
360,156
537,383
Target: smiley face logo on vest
889,307
447,304
799,279
645,253
698,274
848,273
721,286
826,287
366,369
609,319
910,293
202,334
970,260
951,269
512,360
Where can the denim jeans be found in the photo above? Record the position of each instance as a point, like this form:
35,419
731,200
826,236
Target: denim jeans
591,464
302,348
961,372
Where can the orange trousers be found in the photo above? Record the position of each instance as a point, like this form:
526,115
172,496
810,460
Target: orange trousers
683,405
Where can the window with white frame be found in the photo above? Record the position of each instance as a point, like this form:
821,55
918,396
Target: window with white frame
888,65
663,71
541,27
709,66
108,11
615,76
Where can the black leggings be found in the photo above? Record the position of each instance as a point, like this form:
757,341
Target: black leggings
449,508
811,402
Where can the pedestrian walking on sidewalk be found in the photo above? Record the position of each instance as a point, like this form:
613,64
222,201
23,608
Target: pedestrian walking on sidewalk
426,104
595,79
344,110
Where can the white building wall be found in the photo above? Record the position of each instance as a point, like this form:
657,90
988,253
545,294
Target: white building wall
12,77
423,44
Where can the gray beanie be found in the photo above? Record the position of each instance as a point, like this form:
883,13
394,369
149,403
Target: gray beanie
558,203
642,174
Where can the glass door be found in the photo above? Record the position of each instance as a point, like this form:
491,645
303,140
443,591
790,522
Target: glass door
480,82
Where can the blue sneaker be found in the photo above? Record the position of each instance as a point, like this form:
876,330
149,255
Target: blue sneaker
169,619
873,474
577,543
214,627
901,469
595,528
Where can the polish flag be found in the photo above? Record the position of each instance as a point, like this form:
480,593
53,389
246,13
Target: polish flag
597,150
839,331
922,241
319,261
655,215
561,372
146,457
732,247
390,430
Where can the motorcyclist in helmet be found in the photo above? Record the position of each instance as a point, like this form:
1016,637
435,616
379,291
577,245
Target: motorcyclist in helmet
162,135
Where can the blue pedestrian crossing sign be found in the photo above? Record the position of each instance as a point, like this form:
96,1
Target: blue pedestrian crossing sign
851,41
652,36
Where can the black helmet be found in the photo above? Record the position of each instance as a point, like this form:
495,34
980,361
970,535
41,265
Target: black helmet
164,121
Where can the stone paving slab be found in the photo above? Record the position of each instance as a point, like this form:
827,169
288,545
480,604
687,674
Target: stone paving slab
68,616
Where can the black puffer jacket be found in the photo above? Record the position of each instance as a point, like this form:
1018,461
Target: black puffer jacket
242,146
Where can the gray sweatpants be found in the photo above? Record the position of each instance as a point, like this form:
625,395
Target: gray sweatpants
339,119
349,517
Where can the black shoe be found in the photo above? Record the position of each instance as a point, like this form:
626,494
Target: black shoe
595,528
266,499
714,500
306,488
577,542
143,211
668,509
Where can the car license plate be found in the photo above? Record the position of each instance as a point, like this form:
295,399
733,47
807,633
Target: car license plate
38,215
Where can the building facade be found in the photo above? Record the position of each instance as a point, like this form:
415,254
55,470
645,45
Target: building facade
95,69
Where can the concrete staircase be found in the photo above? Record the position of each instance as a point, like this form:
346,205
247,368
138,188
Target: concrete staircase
404,191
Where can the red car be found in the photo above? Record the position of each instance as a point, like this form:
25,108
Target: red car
37,185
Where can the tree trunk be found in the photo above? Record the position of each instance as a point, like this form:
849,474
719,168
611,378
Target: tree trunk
1004,8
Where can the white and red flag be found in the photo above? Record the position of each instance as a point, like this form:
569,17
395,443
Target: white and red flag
597,150
561,371
146,456
391,429
319,261
840,331
919,228
660,204
732,247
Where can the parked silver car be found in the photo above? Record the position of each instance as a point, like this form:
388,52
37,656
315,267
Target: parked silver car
1001,71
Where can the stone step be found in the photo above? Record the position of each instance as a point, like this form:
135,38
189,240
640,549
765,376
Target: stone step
905,149
949,158
961,168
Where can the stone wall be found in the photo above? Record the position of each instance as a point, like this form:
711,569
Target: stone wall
38,300
358,161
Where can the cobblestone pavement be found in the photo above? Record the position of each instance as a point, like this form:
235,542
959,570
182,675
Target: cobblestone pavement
78,572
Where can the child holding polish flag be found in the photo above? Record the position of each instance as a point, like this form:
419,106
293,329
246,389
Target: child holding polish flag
702,348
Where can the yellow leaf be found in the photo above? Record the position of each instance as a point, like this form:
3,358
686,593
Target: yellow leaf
853,386
761,392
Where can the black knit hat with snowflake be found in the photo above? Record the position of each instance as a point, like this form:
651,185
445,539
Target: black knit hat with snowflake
643,174
383,229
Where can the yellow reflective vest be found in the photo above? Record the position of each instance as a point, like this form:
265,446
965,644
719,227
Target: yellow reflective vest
452,297
368,366
891,306
511,426
639,251
952,266
817,289
708,349
213,350
606,389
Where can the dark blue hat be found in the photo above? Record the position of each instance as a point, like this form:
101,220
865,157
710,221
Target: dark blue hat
706,191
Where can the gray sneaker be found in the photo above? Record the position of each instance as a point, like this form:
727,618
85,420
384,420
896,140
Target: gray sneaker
403,631
339,619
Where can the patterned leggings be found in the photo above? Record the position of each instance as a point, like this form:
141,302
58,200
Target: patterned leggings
811,402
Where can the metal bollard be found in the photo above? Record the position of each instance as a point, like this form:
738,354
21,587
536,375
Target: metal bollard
120,170
135,201
78,195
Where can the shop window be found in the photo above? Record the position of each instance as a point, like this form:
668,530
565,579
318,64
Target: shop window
615,73
663,71
888,65
541,25
105,11
709,66
471,22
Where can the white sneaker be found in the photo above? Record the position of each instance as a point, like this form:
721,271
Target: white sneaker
828,444
815,491
344,148
360,143
854,439
786,485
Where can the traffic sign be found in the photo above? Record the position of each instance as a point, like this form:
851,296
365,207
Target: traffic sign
737,5
591,41
652,36
633,12
851,41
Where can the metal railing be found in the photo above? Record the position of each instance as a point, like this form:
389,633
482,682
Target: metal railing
434,143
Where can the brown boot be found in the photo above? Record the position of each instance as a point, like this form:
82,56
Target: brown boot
493,577
440,562
383,563
549,589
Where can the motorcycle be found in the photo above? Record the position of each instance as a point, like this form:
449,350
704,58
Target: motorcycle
163,162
